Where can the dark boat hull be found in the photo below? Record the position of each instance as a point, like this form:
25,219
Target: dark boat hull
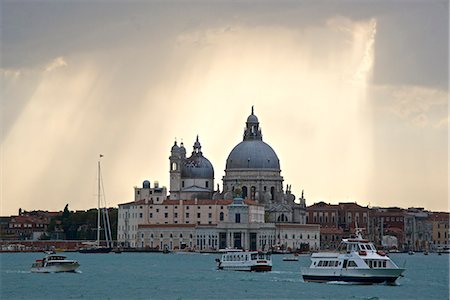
352,279
96,250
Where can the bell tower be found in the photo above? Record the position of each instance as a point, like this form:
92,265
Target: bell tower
176,160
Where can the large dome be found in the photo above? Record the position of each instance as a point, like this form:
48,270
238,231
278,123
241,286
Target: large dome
253,154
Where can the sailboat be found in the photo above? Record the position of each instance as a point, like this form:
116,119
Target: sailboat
96,247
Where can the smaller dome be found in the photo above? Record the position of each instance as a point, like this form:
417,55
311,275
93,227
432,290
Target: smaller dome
197,166
146,184
175,147
252,119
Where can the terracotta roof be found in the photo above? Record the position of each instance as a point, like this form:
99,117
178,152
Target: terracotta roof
166,225
304,226
199,202
323,205
387,213
439,216
351,205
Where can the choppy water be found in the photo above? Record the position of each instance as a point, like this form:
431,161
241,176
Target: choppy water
194,276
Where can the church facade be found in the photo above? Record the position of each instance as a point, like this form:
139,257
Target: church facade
252,211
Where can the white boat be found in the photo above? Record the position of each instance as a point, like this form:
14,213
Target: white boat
96,247
445,250
357,261
238,260
53,263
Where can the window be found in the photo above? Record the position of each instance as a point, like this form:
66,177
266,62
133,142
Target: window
210,215
351,264
151,215
187,207
237,218
221,216
157,210
206,184
140,215
175,215
166,215
187,215
198,215
182,184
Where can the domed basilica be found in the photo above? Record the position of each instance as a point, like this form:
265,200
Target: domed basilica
252,167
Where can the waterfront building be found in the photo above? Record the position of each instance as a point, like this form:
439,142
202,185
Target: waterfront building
195,215
337,220
441,231
388,227
418,229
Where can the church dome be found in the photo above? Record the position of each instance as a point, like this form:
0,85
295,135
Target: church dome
252,119
175,147
197,166
253,154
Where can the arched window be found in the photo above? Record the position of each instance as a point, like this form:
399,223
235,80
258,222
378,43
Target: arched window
272,193
253,193
244,192
221,216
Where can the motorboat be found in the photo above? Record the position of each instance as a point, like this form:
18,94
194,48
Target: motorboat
54,263
238,260
356,260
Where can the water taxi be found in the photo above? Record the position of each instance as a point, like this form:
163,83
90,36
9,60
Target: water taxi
53,263
357,261
238,260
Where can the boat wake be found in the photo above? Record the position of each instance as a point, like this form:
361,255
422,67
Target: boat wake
17,272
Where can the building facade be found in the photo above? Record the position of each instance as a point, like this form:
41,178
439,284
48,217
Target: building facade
252,211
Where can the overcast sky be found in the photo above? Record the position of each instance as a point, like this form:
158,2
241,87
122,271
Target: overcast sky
351,95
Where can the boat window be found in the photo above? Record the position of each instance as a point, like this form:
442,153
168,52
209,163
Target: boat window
268,256
320,263
261,255
352,264
254,256
384,264
336,263
325,263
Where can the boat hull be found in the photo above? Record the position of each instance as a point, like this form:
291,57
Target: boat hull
95,250
364,276
256,268
56,268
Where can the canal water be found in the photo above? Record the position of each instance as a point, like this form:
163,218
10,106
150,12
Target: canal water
194,276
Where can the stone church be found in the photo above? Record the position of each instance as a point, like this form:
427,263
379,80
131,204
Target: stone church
252,167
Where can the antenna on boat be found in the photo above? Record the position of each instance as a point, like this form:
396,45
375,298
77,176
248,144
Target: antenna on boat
358,231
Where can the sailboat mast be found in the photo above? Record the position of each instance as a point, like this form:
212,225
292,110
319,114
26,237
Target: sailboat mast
98,206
